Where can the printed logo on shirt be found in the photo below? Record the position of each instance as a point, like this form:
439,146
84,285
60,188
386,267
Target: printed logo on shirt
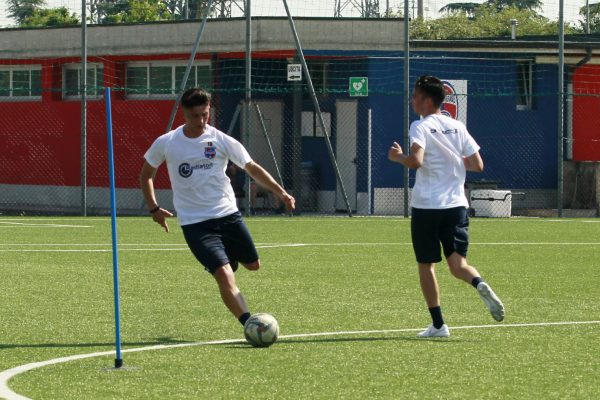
450,104
185,169
432,130
449,131
210,151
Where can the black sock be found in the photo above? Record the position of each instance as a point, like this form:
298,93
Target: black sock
244,317
476,281
436,316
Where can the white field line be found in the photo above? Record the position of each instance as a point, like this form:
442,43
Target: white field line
6,224
355,218
182,247
8,394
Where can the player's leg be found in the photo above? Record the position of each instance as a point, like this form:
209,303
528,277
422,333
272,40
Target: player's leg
455,241
230,294
454,236
238,242
461,270
205,241
427,251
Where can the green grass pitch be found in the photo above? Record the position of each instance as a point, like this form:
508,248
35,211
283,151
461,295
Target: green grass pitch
349,274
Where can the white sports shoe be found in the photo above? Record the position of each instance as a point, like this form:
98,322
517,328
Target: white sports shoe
491,301
432,331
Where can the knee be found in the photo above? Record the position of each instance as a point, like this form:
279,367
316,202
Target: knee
224,277
253,266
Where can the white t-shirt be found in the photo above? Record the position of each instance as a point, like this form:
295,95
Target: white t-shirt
201,189
440,180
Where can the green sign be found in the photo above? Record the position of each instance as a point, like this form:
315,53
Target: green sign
359,86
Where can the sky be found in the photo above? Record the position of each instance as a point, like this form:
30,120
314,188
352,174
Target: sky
325,8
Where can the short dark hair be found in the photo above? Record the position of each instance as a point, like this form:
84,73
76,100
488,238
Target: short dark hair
431,87
195,97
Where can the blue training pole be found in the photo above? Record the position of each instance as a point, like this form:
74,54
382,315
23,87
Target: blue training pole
113,218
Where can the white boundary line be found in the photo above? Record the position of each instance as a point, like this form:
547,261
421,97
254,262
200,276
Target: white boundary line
6,375
6,224
262,246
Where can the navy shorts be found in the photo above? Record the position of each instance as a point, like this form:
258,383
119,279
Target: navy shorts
430,227
220,241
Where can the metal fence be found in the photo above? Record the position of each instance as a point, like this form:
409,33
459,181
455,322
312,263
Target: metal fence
507,96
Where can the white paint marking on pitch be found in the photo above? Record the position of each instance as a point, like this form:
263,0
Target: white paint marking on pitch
6,375
88,244
264,246
5,224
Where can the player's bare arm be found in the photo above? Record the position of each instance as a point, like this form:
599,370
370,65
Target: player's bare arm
414,160
263,178
159,214
474,163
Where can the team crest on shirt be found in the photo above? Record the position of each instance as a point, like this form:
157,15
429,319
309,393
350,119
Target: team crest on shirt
210,151
450,104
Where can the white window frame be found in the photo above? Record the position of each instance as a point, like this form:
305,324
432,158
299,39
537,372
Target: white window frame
13,68
174,88
527,78
77,67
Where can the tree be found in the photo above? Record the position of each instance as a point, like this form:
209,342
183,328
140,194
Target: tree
50,17
467,8
127,11
594,17
488,21
519,4
19,10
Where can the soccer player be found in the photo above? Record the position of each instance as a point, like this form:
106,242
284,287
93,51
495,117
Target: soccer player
196,155
442,150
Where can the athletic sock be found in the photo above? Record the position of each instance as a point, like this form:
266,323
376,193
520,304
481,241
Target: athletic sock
436,316
476,281
244,317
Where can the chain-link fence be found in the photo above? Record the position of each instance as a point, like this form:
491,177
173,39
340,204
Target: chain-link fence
506,94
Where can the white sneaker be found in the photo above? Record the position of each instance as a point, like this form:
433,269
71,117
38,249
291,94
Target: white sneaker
491,301
432,331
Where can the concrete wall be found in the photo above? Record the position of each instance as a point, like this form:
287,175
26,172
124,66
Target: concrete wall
219,36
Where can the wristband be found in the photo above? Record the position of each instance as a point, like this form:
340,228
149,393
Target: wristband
155,209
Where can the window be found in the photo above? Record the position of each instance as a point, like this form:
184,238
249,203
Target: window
524,85
20,83
72,80
152,80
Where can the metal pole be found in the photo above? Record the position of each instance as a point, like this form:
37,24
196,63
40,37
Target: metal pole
561,98
406,102
189,67
266,134
248,91
234,119
311,89
83,88
587,17
369,161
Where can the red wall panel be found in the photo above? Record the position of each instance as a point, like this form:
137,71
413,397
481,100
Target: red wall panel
586,109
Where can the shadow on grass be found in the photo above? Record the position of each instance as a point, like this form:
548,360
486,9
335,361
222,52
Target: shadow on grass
157,341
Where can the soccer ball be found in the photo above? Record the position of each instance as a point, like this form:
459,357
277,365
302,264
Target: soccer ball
261,330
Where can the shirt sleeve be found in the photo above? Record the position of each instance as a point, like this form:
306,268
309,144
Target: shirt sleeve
235,151
470,146
416,135
155,155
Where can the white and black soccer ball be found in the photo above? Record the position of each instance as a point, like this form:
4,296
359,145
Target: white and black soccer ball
261,330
